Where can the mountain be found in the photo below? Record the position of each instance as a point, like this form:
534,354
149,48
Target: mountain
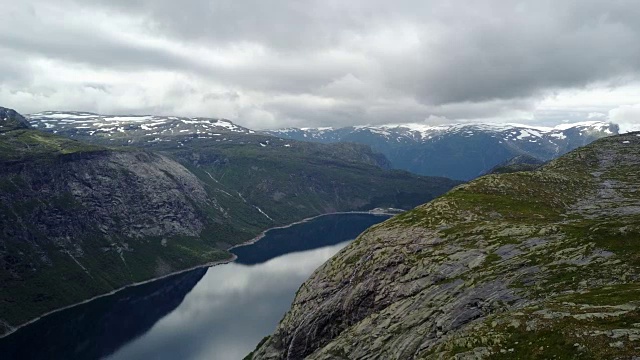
11,120
530,265
82,218
73,123
459,151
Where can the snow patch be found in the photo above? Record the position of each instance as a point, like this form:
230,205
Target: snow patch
263,213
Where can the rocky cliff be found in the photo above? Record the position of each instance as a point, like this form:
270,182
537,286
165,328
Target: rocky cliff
541,264
78,221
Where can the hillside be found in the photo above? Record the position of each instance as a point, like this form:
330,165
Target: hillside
79,220
458,151
518,163
541,264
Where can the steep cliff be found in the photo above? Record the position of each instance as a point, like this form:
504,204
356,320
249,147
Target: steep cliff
77,221
541,264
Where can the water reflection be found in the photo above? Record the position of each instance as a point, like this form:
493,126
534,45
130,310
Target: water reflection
216,313
230,310
98,328
321,231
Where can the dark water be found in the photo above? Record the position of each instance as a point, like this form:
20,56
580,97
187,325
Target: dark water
217,313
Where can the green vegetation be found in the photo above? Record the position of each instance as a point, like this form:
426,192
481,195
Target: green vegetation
298,181
100,269
33,145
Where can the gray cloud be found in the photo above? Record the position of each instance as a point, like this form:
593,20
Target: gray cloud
315,63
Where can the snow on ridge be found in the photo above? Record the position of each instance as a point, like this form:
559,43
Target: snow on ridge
593,123
227,124
130,118
506,131
62,116
286,130
489,126
144,122
629,127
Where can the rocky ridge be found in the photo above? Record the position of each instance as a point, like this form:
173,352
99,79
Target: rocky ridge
74,123
10,119
539,264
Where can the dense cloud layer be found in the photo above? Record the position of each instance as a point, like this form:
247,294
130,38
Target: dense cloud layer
318,63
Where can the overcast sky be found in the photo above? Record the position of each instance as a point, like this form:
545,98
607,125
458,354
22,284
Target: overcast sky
275,63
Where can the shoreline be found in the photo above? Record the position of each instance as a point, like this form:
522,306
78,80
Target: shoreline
114,291
264,233
207,265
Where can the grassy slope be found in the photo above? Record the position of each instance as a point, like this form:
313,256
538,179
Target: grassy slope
564,202
288,183
291,180
29,145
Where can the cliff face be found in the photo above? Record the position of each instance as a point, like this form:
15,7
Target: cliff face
77,225
119,194
538,264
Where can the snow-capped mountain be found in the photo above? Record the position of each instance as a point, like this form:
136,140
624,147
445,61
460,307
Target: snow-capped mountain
459,151
80,124
417,133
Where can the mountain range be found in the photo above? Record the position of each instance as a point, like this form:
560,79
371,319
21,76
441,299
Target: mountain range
458,151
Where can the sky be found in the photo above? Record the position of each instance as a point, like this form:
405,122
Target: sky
306,63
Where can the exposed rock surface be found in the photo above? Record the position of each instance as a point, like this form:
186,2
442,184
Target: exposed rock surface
540,264
121,194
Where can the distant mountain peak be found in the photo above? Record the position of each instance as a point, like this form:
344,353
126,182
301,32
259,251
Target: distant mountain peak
11,120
